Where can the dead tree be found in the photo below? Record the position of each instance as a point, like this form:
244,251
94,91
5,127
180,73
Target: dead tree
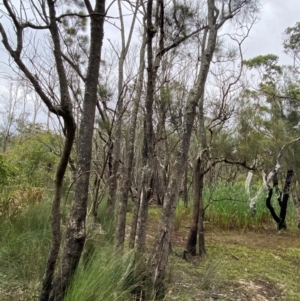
282,198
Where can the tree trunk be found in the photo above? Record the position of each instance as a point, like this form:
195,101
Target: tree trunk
147,151
192,238
185,186
126,183
116,152
76,229
197,226
282,199
201,237
159,256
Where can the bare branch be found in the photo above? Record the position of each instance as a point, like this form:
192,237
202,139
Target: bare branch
15,55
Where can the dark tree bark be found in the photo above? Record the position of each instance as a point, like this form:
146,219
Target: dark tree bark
282,198
192,238
201,237
64,110
159,256
185,192
197,227
148,146
76,229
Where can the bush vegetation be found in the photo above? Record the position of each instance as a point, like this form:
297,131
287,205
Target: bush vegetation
25,234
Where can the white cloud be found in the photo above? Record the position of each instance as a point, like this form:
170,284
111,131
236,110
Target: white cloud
267,35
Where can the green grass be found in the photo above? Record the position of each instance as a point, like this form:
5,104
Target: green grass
104,277
182,213
231,272
24,245
229,209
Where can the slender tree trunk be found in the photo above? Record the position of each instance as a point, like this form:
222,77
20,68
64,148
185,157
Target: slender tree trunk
159,256
185,196
201,237
126,183
70,136
197,226
147,151
282,199
116,152
95,203
192,238
76,229
55,213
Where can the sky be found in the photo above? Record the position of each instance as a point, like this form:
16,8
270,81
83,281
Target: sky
266,35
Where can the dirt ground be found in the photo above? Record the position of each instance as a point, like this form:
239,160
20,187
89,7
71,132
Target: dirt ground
240,265
265,239
251,265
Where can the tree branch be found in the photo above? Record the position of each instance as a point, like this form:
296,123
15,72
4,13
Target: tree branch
16,56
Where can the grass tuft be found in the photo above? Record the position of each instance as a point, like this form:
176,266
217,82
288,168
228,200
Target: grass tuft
103,278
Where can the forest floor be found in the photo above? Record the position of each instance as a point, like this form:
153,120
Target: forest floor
240,265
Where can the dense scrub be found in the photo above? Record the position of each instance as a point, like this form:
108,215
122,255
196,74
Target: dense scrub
243,252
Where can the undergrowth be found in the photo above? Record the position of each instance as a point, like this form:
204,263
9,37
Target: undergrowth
103,277
227,207
104,274
24,245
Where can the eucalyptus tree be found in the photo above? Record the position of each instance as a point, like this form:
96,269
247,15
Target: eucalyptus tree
217,14
120,103
157,16
291,43
269,120
45,18
215,112
126,181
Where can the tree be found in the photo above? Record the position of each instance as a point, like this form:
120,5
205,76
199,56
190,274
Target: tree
216,18
47,19
120,106
155,27
291,42
129,159
282,196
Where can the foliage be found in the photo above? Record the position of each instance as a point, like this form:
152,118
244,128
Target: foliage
7,171
33,156
269,62
26,170
17,199
291,42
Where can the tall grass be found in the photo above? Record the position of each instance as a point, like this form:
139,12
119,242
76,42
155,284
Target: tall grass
229,208
182,213
24,244
106,276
